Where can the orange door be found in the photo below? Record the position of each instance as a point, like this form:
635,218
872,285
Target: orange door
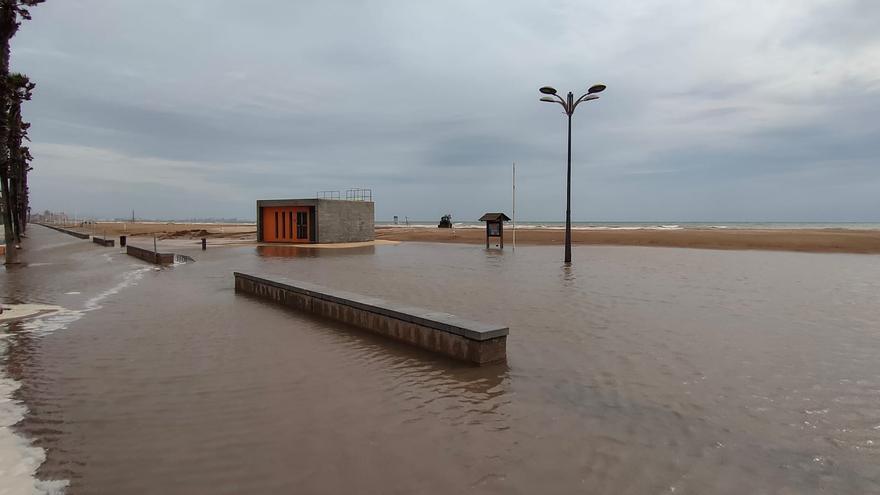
286,224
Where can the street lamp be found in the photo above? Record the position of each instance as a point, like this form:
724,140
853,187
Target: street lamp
569,104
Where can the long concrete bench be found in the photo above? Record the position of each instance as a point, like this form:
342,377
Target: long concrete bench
104,242
447,334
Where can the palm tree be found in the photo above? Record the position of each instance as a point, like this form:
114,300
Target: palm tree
21,89
11,158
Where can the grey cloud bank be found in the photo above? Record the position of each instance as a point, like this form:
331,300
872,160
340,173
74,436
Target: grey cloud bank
715,110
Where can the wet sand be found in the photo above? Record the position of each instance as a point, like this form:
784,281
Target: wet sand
633,371
817,241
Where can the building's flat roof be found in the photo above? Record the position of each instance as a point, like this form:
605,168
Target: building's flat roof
303,201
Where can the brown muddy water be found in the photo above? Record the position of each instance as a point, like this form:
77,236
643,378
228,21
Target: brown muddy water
637,370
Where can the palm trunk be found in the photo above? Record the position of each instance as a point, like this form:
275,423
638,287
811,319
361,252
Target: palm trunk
22,195
11,252
26,196
13,146
7,30
14,199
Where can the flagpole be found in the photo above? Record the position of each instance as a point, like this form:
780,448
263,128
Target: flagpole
514,206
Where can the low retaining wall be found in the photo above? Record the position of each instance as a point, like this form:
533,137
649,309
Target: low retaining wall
104,242
65,231
465,340
150,256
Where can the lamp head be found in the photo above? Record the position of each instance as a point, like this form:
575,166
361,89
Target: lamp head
548,99
547,90
596,88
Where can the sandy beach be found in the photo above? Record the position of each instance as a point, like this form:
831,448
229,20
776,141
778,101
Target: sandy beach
804,240
168,230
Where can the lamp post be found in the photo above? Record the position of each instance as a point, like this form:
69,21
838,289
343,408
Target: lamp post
569,104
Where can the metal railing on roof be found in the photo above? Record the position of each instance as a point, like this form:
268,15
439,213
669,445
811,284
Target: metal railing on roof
359,194
328,195
356,194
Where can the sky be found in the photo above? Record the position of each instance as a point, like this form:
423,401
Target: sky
715,110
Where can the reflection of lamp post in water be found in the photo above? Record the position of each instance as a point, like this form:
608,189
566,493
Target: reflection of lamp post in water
569,104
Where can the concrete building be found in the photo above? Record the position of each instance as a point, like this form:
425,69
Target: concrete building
314,220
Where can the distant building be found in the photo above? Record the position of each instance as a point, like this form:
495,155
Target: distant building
314,220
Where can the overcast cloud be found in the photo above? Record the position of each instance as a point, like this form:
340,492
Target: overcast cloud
715,110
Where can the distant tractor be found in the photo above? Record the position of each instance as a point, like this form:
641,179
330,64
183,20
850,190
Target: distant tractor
445,222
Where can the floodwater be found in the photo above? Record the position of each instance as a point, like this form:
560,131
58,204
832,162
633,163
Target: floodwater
636,370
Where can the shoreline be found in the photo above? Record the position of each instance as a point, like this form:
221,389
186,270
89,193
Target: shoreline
828,240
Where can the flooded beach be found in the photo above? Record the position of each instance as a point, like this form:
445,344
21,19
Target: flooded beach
636,370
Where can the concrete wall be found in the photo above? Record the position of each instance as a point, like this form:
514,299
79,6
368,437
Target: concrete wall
442,333
345,221
68,232
104,242
150,256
